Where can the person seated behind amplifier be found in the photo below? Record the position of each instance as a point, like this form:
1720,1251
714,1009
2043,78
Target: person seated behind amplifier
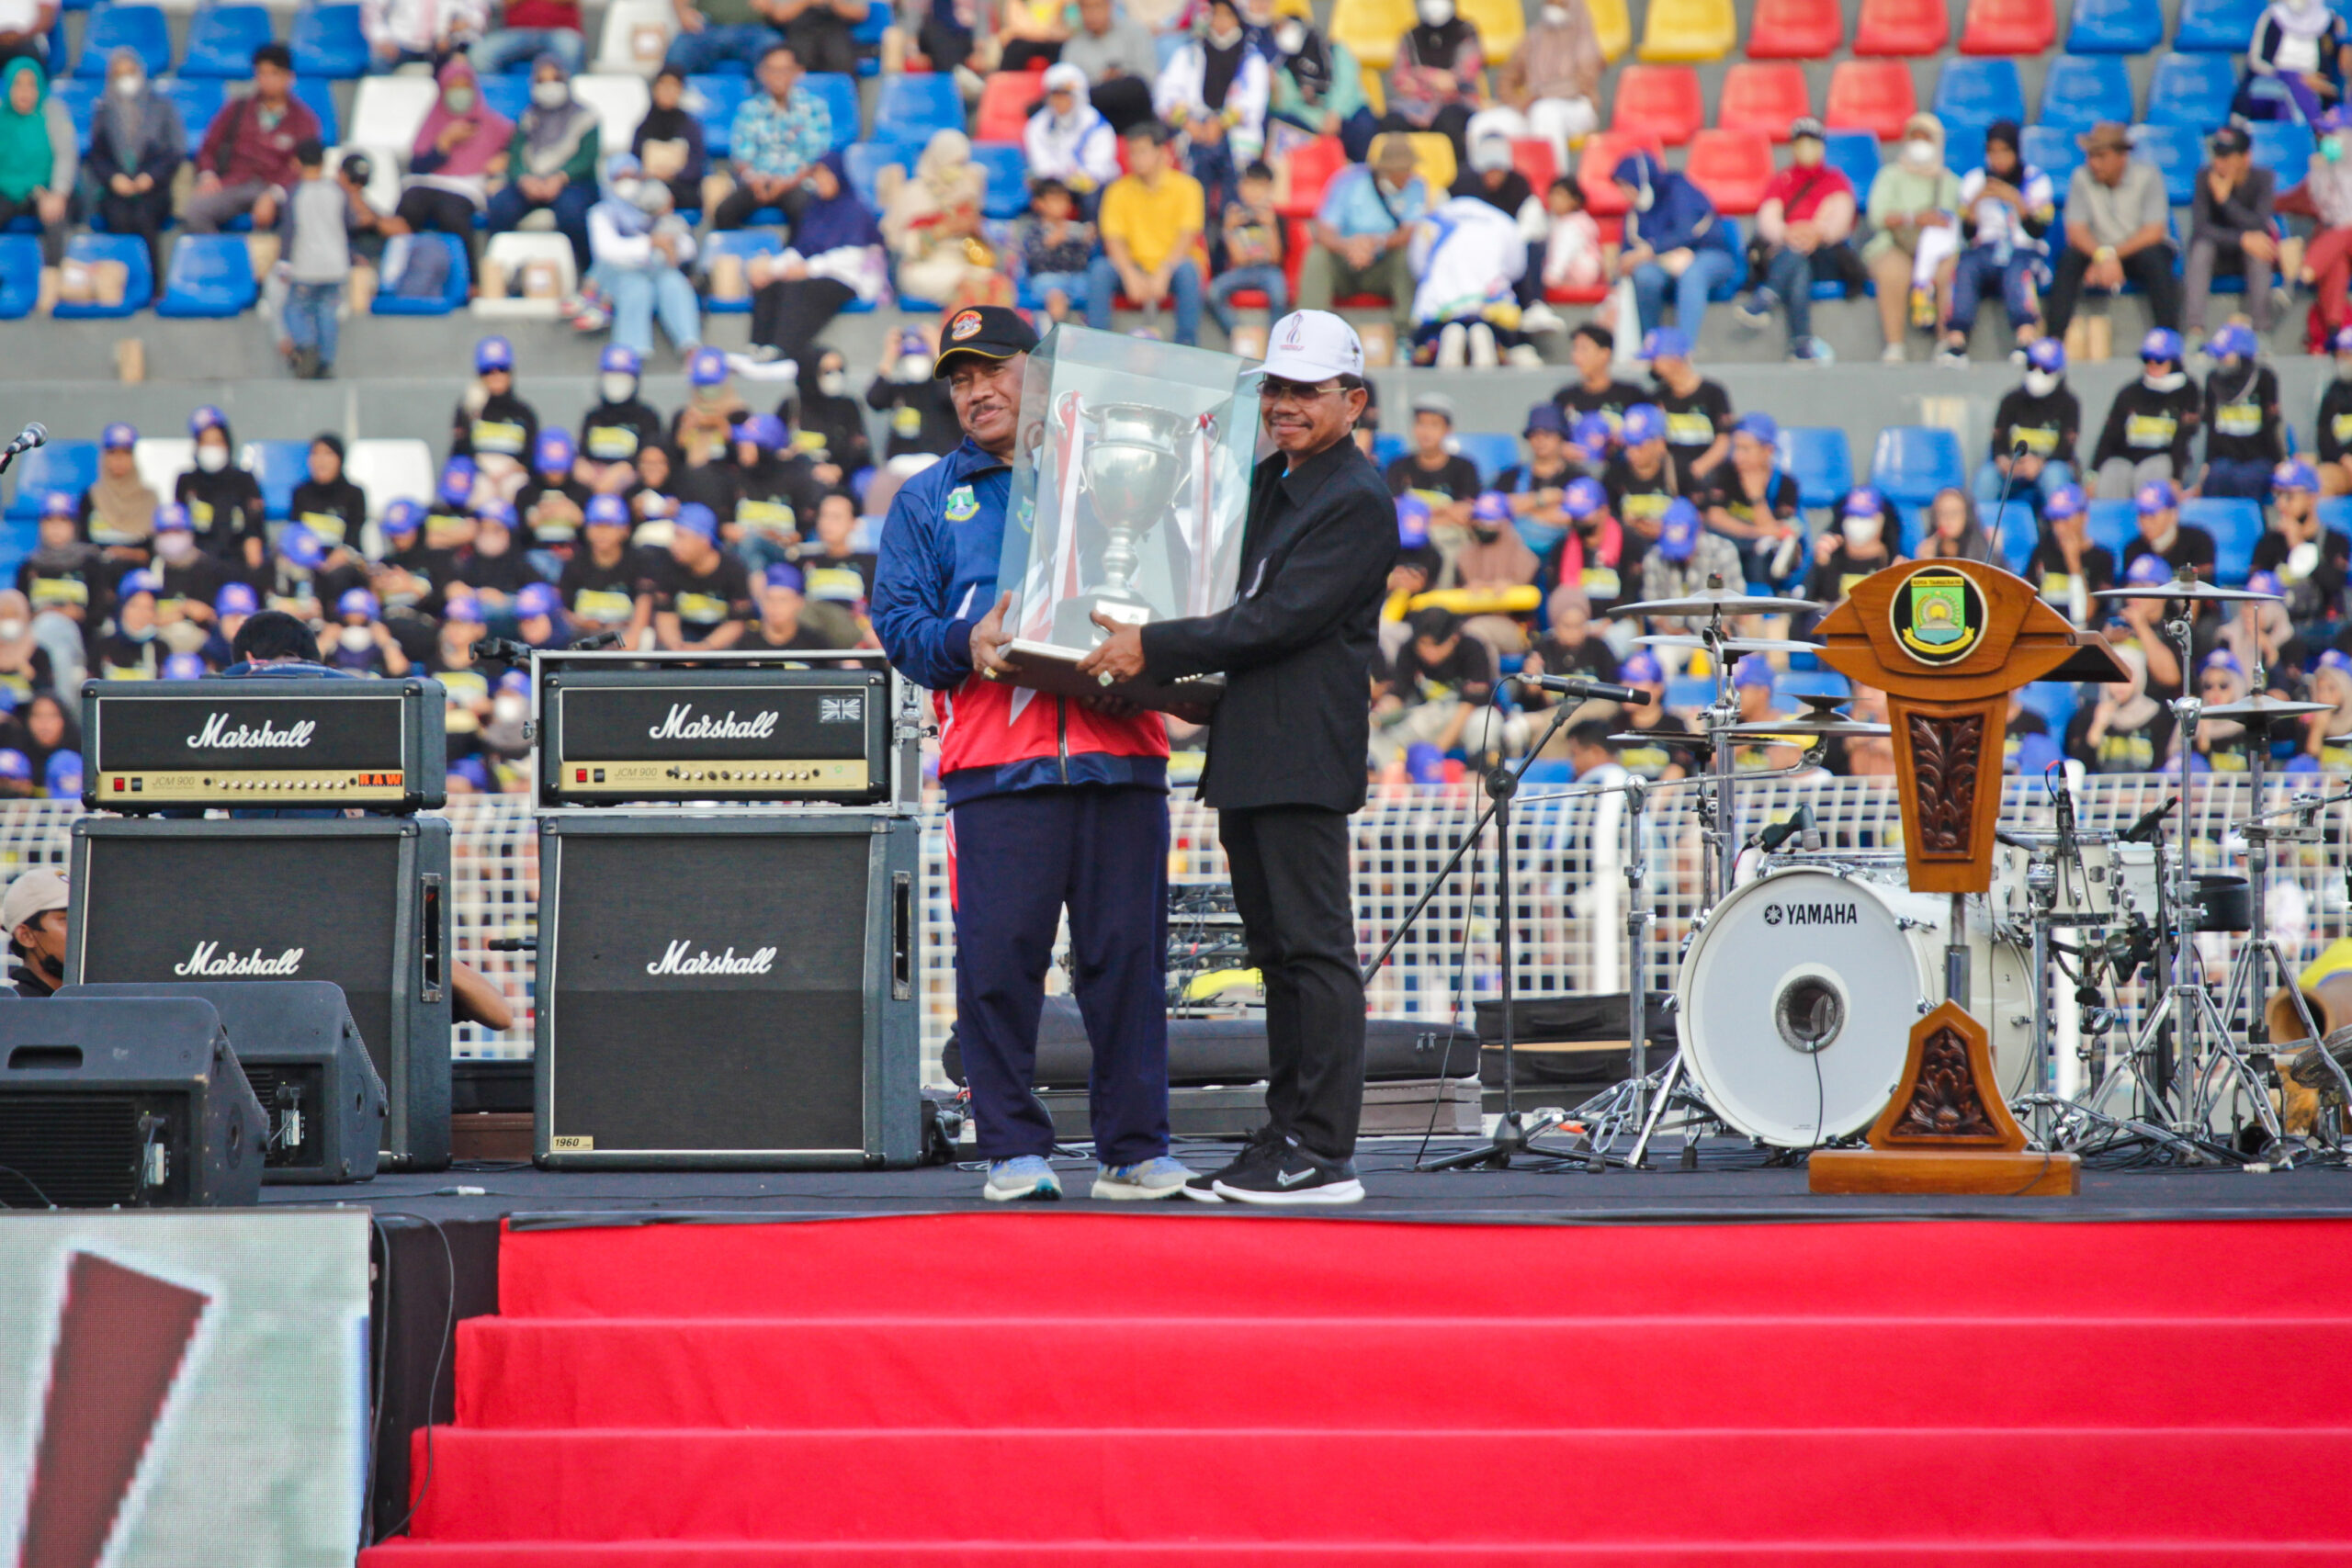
187,581
34,910
787,621
493,566
63,777
230,606
539,618
65,577
603,587
554,503
130,652
185,667
361,644
702,596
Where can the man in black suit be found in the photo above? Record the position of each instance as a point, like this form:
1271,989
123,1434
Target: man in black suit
1286,751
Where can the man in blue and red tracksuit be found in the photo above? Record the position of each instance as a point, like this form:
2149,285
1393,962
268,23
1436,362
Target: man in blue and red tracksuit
1052,802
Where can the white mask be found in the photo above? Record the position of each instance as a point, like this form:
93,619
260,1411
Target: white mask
1434,13
1920,151
175,548
2301,561
915,367
616,386
1224,39
10,630
1291,37
213,459
549,95
2041,383
356,640
1555,16
127,86
509,708
832,383
1861,532
2169,383
626,190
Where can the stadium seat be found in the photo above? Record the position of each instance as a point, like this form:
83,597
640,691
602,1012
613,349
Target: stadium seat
222,40
2114,524
451,297
1912,462
2235,523
2020,530
620,103
1006,102
636,36
319,97
139,28
1492,452
515,251
1691,31
198,98
1500,24
866,33
1434,161
1660,102
2216,27
69,466
1371,29
328,44
390,470
2115,26
2193,90
1008,189
1818,458
160,460
2178,150
1598,159
1311,168
2054,700
1977,93
713,101
743,243
918,101
387,110
1732,166
2080,90
2009,27
1907,29
279,466
1855,154
19,275
131,252
2053,150
1765,97
2282,148
867,160
81,100
508,94
1963,147
840,94
210,275
1532,156
1870,95
1795,29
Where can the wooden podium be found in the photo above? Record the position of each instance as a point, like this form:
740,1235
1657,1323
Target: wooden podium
1948,640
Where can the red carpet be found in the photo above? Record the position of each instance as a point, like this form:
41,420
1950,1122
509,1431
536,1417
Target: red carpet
1167,1389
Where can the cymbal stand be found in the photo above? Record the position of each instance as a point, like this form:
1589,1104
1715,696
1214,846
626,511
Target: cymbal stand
1719,820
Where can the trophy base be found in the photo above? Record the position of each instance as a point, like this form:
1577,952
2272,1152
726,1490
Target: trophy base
1046,668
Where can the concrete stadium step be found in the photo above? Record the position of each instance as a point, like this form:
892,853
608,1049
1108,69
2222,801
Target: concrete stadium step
1517,1553
790,1374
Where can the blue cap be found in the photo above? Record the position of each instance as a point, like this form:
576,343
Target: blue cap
2066,501
1583,497
64,773
1761,427
401,519
463,608
1546,416
1677,531
302,548
513,680
1751,671
499,512
474,771
707,368
2265,582
358,601
2222,659
556,450
2342,342
183,667
137,582
1863,501
2234,339
2146,570
620,360
1666,342
1594,433
764,430
608,511
696,518
235,599
2162,343
60,504
1412,522
1642,670
2294,474
1424,763
1492,506
2157,495
172,518
2335,659
1643,421
2046,353
538,599
14,764
206,418
119,437
458,480
783,574
493,354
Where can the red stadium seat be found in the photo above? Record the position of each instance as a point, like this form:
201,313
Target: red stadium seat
1909,27
1732,167
1311,168
1598,159
1612,231
1767,98
1659,101
1005,103
1795,29
1532,157
2009,27
1870,95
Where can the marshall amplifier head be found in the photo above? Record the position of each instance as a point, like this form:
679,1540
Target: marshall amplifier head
296,740
727,992
362,902
711,732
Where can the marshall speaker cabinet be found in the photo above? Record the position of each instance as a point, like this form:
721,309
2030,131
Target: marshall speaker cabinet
727,992
359,901
291,741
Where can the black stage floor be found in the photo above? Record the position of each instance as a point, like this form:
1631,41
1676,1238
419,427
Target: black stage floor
1733,1182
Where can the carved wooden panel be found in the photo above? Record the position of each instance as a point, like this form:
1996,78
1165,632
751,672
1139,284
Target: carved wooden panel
1945,1103
1944,763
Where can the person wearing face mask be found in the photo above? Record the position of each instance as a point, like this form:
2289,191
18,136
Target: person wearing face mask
1859,545
327,502
643,250
410,32
1317,86
2296,64
621,423
2044,415
1674,242
1494,558
2005,209
2326,196
2231,230
2244,436
2117,218
460,149
130,651
827,425
1361,231
551,161
1438,75
2066,568
25,668
922,418
2163,533
1215,90
604,585
2311,561
186,581
1754,503
492,427
137,144
1802,229
65,578
2149,423
224,501
36,912
837,259
361,644
1913,208
1597,555
1551,83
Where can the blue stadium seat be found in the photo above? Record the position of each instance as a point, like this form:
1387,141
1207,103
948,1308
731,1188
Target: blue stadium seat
2335,511
141,27
1963,148
211,275
19,275
1796,682
2114,524
840,94
198,98
319,97
2282,148
867,160
2179,151
1729,288
81,100
1914,461
1493,452
1977,92
718,98
1008,192
2235,523
2055,701
451,296
506,92
1819,460
1854,154
2053,150
2080,90
1685,691
1388,446
328,44
279,466
222,40
2193,90
2216,27
744,242
2115,26
69,466
2020,530
131,252
926,102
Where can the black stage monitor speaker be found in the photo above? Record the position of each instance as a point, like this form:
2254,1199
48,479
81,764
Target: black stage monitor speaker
727,992
121,1103
360,901
302,1052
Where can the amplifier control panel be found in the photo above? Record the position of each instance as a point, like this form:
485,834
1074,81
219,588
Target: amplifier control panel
326,785
750,775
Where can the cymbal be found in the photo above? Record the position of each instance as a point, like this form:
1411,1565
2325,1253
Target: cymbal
1807,728
1713,602
2262,706
1651,738
2186,588
1730,644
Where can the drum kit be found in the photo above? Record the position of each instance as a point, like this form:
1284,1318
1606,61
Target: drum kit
1804,972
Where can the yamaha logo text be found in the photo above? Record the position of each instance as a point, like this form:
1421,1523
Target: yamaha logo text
678,961
1812,914
208,963
217,735
681,726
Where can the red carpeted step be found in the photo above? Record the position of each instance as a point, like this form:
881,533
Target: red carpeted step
1166,1485
1921,1554
1401,1372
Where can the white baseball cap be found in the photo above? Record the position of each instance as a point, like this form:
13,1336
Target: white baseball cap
1311,346
29,897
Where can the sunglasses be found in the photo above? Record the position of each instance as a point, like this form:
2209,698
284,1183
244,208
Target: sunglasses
1273,390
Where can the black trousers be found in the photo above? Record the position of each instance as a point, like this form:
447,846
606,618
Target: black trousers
2150,268
1290,884
789,313
431,212
1125,101
143,215
737,209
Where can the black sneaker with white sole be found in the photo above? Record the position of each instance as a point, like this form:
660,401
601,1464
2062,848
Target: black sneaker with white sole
1293,1177
1260,1148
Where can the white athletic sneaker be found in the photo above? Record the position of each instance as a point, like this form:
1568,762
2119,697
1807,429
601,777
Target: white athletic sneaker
1891,355
1482,354
1540,318
1026,1179
1142,1182
1452,347
1526,356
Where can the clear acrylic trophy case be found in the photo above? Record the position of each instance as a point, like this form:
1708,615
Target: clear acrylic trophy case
1130,485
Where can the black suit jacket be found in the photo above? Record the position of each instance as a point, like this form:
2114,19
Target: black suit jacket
1297,644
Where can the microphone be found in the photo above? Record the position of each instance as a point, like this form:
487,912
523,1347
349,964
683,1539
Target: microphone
2144,830
34,435
1779,833
1992,535
1576,686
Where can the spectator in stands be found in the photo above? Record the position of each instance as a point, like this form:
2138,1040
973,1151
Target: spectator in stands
668,142
222,498
362,644
1550,87
2331,684
1440,694
1254,248
186,581
539,616
2262,632
1029,34
823,33
1697,412
1859,545
551,163
931,219
317,269
778,135
780,626
1361,231
411,575
494,428
118,510
2006,208
2295,65
1641,479
529,29
327,502
1538,486
1668,749
130,651
2043,415
1492,177
620,424
2162,533
2311,561
26,672
1153,221
702,595
24,31
836,259
2332,445
1319,87
2244,436
2066,568
1913,208
40,156
1596,555
716,34
2149,423
491,566
829,425
837,569
1673,242
1953,531
921,418
65,576
2326,196
770,498
246,162
1056,247
1686,559
604,586
1439,77
1569,646
1802,227
2117,218
137,144
462,146
1068,141
552,505
430,32
1592,349
49,731
1116,56
1493,559
1753,502
1443,478
643,250
1215,90
2126,730
1572,256
2231,230
1465,256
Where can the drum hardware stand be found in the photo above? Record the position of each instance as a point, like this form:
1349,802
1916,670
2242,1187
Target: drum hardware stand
2248,975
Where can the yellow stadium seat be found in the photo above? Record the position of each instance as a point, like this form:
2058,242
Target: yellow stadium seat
1690,30
1500,24
1376,86
1613,27
1433,158
1370,27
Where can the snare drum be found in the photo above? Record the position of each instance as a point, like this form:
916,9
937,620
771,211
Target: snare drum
2109,882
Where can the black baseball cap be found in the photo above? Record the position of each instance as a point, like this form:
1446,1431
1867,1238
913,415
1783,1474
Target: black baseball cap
989,331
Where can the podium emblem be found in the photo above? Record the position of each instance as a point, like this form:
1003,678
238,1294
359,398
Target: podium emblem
1938,616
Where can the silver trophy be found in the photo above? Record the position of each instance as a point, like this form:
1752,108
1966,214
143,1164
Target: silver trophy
1133,467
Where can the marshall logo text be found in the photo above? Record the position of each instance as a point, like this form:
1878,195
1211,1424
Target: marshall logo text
679,727
677,961
216,735
208,963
